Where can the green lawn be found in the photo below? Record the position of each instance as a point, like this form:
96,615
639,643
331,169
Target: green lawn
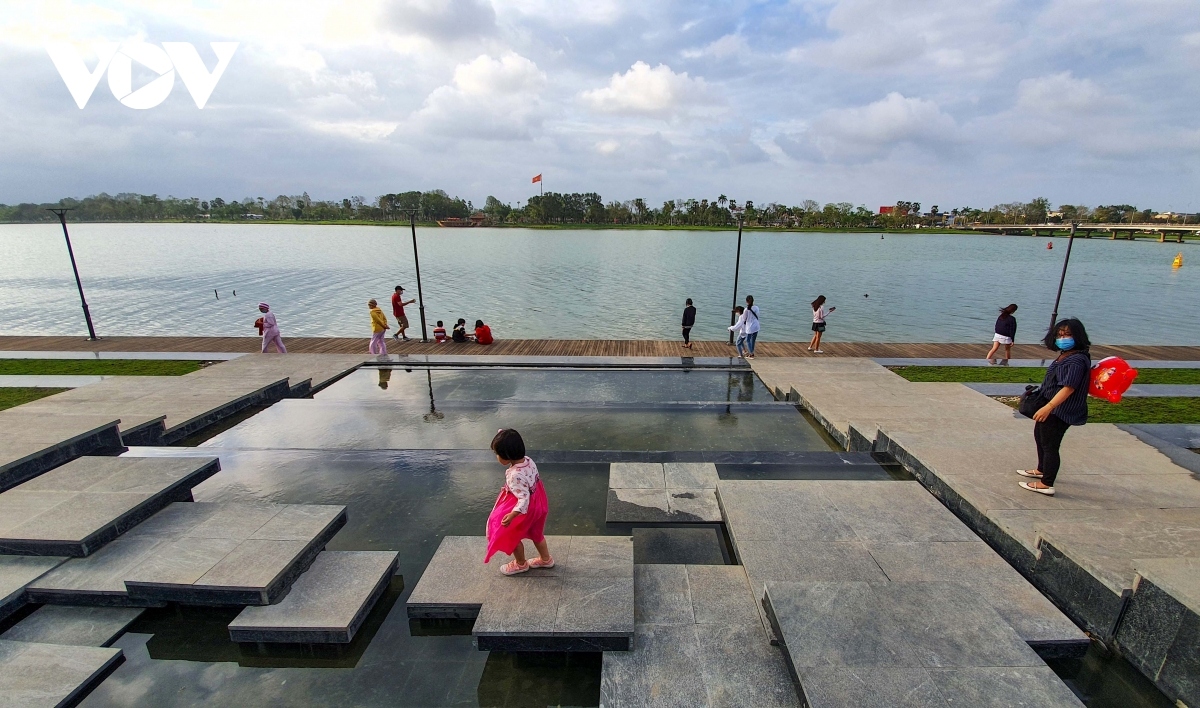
1028,374
97,367
10,397
1176,411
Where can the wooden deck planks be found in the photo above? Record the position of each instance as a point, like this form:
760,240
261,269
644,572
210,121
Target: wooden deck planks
572,347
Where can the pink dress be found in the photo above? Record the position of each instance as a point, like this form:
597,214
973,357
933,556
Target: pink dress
522,491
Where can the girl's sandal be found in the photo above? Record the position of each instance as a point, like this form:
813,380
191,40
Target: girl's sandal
539,563
512,568
1030,473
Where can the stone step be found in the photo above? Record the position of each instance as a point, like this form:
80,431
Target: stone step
326,605
15,573
33,443
584,603
915,644
198,553
75,509
658,492
73,625
52,674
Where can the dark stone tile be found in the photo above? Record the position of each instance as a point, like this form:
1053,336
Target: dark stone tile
596,606
740,668
869,687
1148,627
519,606
894,511
78,626
720,594
52,674
661,595
663,669
1002,687
1180,674
698,545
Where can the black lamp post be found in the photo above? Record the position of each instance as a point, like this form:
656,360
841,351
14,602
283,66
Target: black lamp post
87,315
737,267
412,223
1063,277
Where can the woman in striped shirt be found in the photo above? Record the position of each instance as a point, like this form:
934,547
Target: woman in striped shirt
1066,387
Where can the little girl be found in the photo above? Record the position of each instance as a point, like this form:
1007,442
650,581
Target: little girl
520,510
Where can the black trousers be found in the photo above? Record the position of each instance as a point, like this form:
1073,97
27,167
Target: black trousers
1048,437
687,335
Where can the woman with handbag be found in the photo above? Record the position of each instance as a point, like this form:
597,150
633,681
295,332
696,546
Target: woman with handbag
1060,402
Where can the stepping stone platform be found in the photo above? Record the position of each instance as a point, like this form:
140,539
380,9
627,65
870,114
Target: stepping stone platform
15,573
52,674
584,603
73,625
698,641
75,509
1160,630
33,443
656,492
805,531
326,605
858,644
198,553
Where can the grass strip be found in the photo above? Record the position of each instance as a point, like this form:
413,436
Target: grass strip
10,397
1028,374
97,367
1173,411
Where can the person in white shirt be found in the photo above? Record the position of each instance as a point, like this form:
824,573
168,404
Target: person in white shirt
818,327
739,330
751,329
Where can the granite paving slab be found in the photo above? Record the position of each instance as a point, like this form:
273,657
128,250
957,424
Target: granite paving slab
636,475
34,443
787,510
893,511
327,604
15,573
1160,629
721,594
78,626
52,674
198,553
690,475
1003,686
661,594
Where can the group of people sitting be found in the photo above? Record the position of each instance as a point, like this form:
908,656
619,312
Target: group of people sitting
481,335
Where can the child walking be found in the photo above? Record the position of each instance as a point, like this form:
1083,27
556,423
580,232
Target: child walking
520,510
739,331
1006,333
379,328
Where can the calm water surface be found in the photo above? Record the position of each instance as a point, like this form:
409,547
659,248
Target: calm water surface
158,279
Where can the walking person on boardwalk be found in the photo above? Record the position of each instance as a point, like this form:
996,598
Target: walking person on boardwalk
689,321
1063,400
818,326
739,330
270,330
398,303
520,510
752,326
379,328
1006,333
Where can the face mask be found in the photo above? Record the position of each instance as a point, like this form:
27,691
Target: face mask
1065,343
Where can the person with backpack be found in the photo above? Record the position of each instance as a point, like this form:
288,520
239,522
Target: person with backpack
1060,402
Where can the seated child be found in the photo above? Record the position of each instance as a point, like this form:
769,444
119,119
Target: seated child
439,332
520,510
460,331
483,333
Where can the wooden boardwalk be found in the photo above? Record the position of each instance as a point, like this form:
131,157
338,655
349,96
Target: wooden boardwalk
571,347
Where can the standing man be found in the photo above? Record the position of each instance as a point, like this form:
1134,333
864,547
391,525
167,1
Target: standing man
270,330
398,303
689,321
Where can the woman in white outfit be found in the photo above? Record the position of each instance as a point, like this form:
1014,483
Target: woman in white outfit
818,326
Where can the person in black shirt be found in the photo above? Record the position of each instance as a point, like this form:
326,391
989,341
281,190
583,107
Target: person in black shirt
1066,387
689,321
1006,333
460,331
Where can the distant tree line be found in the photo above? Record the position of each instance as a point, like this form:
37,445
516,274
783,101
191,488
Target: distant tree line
577,208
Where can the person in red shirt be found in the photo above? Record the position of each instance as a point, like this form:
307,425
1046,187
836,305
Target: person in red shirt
398,303
483,333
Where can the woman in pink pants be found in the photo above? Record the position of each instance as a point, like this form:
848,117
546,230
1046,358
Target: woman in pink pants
270,330
379,328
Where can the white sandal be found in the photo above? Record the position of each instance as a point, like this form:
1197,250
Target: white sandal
1048,491
1029,473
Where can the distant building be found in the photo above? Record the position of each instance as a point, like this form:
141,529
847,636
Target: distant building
252,216
887,210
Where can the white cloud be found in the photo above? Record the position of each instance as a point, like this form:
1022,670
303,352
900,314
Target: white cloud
869,132
442,20
489,98
1060,93
727,46
366,131
657,92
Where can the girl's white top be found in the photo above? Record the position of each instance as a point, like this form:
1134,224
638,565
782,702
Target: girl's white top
751,317
520,479
739,327
820,314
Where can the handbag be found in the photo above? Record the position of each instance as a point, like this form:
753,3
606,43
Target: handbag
1032,401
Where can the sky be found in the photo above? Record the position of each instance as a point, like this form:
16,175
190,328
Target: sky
948,102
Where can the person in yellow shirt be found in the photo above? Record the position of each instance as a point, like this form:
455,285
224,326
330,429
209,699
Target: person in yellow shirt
379,328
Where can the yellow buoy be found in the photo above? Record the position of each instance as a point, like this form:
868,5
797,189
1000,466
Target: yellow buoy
1178,262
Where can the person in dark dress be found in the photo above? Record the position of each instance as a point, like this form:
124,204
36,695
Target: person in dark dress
1006,333
689,321
1066,387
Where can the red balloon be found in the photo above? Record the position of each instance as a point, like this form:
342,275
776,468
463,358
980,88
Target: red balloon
1111,378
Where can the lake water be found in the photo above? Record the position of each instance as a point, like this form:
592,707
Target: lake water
158,279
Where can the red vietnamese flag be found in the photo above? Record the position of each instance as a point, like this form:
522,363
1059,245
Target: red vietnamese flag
536,179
